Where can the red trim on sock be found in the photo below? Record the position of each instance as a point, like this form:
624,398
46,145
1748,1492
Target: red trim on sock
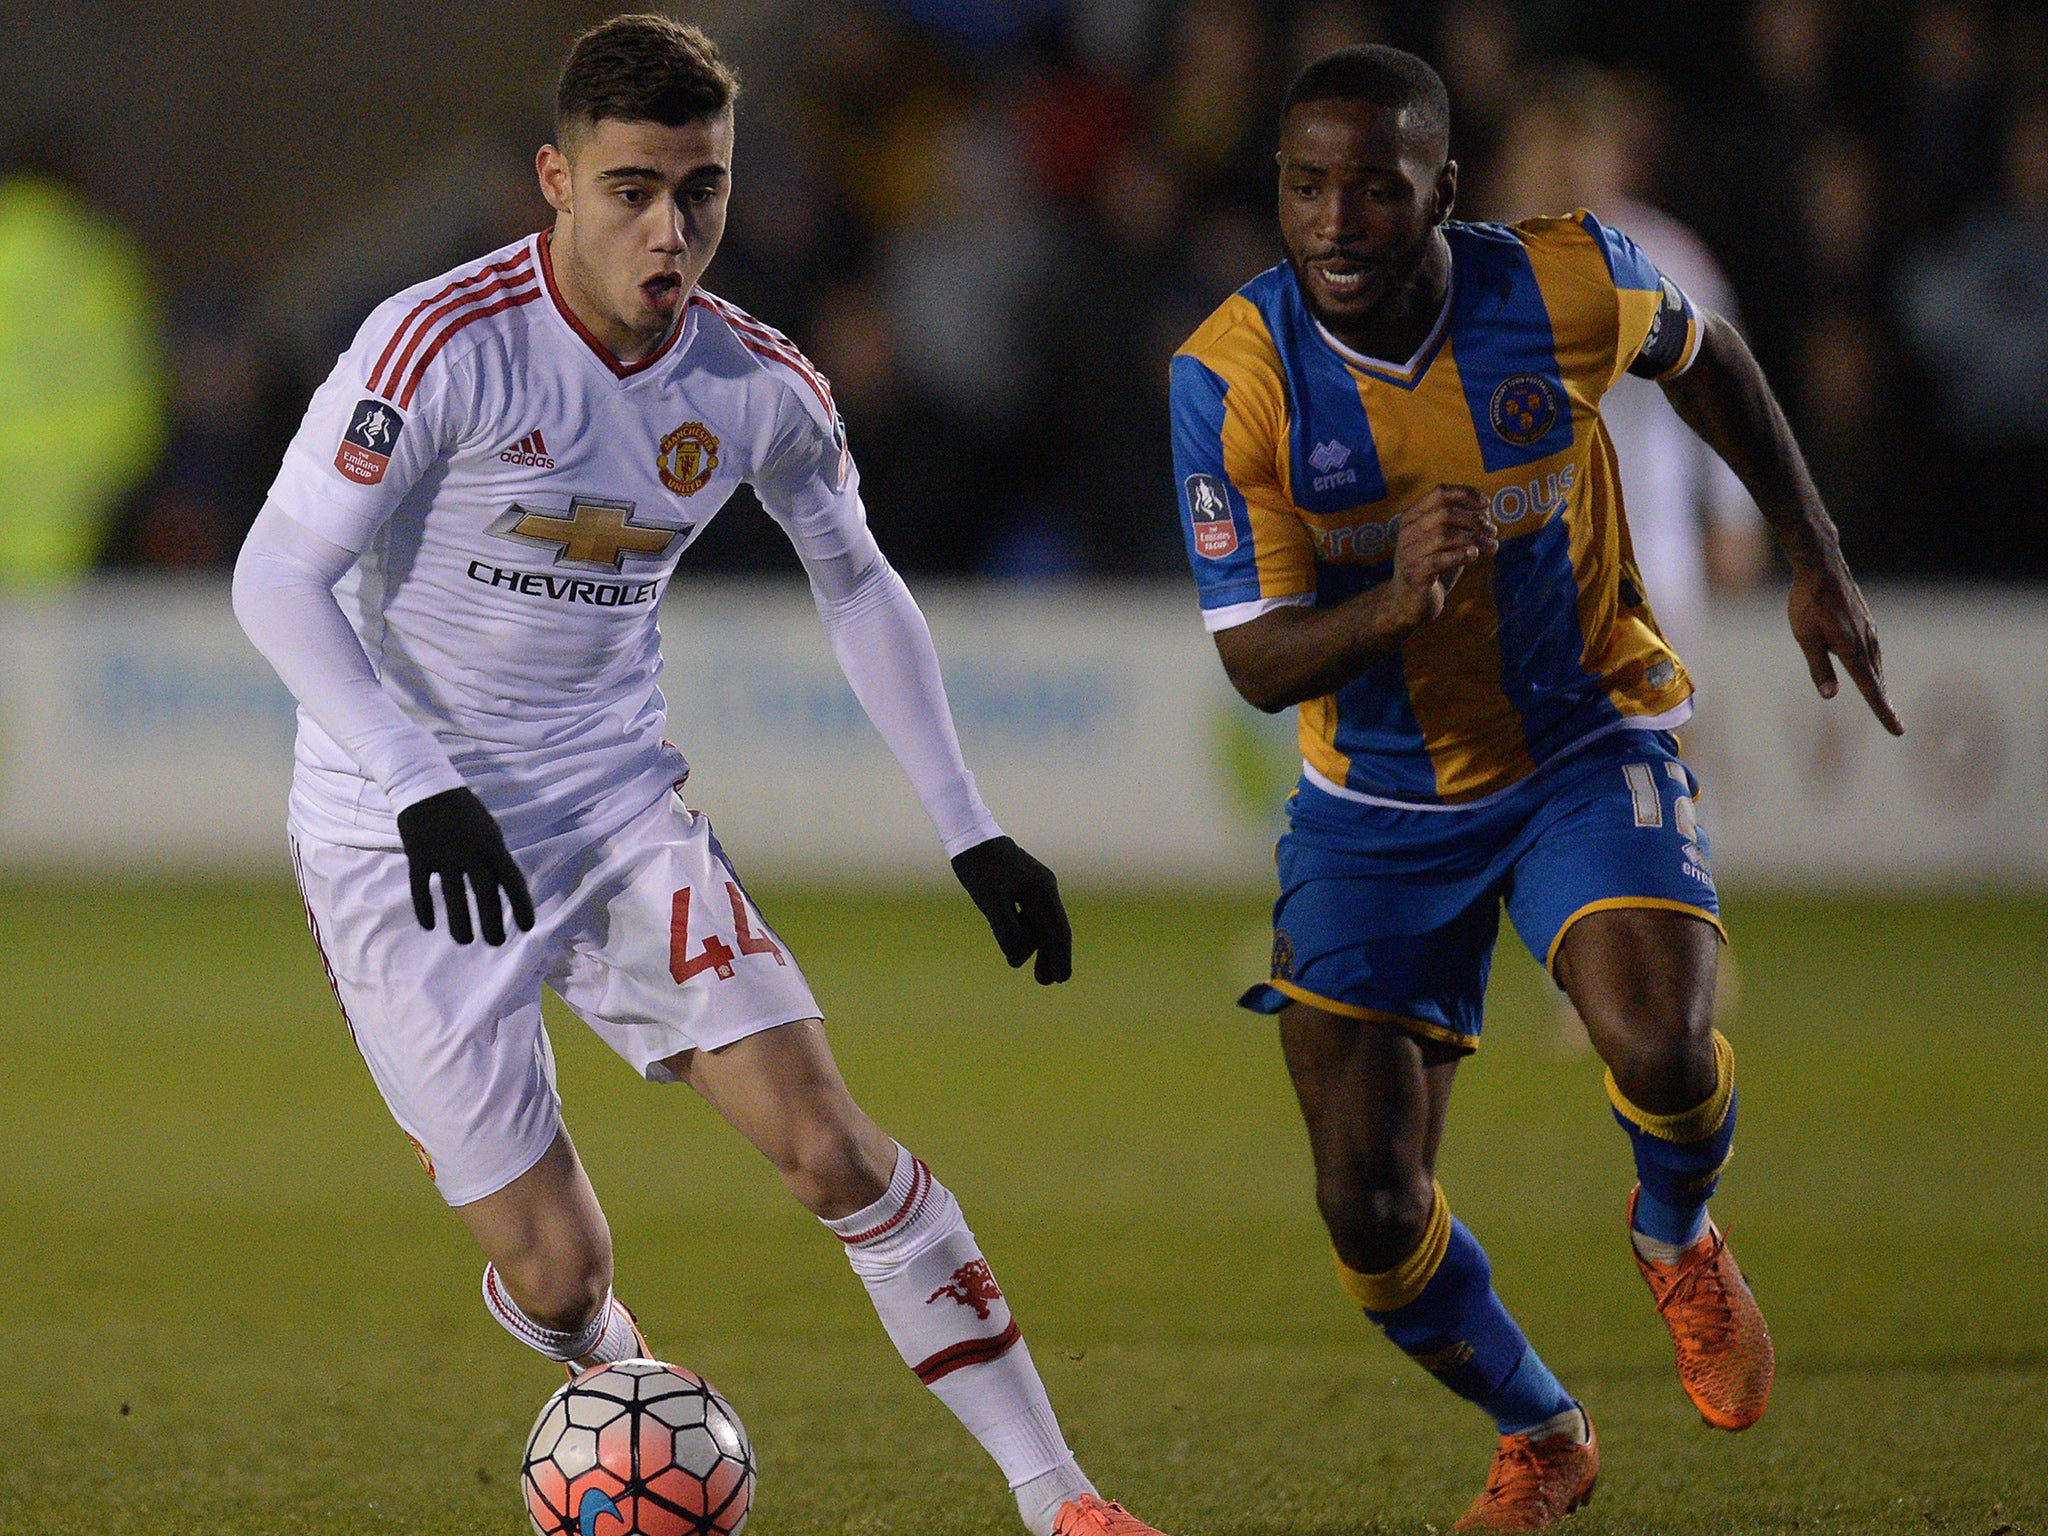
968,1352
502,1307
913,1202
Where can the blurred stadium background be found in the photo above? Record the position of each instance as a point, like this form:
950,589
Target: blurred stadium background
991,223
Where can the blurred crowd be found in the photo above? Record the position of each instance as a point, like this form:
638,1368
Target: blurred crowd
990,222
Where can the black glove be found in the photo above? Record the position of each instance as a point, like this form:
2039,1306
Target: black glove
453,836
1021,900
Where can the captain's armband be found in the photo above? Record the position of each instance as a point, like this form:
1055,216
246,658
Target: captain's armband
1674,338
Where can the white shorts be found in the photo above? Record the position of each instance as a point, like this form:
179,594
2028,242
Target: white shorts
645,932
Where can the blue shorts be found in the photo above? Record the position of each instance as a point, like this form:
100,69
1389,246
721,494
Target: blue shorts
1391,914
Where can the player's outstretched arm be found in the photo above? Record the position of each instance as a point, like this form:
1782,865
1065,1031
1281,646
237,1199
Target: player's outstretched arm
1725,398
1290,654
885,649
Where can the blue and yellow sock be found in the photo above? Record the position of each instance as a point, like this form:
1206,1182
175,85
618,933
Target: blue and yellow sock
1679,1157
1438,1305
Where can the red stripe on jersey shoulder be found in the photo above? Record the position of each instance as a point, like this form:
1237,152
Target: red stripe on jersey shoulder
432,334
765,341
468,317
523,257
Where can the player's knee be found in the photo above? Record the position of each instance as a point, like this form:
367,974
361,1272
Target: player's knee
831,1170
575,1297
562,1290
1666,1066
1375,1221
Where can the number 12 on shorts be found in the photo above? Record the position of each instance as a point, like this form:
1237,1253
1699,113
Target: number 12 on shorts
716,954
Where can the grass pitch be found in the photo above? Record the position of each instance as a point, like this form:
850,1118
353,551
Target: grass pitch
233,1304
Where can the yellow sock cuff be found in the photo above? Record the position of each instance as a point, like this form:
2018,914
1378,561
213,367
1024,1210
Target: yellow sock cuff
1396,1287
1695,1124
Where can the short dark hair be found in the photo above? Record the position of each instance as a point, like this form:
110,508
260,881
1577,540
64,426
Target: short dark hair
642,69
1385,77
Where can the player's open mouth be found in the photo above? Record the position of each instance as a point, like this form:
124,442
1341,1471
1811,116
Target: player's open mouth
662,289
1345,279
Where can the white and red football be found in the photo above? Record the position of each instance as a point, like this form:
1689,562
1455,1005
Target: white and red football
640,1448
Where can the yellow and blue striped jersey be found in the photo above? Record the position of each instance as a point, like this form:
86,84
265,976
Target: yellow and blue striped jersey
1295,456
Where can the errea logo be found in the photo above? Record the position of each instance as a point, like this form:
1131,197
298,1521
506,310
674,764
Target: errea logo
1328,461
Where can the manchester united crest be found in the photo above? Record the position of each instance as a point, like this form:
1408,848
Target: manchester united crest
688,456
426,1159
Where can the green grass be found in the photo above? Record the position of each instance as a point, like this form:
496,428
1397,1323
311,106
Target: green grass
232,1304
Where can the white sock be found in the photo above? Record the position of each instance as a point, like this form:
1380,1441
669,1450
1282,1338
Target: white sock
1039,1500
1571,1422
948,1319
608,1336
1667,1254
620,1340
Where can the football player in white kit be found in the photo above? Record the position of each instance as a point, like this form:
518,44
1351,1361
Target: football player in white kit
457,574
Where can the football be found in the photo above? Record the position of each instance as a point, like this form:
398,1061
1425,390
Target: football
639,1448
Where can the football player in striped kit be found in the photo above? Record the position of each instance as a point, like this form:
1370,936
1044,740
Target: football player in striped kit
457,574
1403,513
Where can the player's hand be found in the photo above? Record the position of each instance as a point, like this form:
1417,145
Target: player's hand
1438,537
453,836
1828,614
1021,900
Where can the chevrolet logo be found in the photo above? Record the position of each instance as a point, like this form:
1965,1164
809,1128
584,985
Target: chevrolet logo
595,536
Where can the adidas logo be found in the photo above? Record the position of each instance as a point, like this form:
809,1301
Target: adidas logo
1329,457
531,451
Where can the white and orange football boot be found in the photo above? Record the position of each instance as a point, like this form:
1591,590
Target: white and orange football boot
1725,1359
1533,1484
1091,1515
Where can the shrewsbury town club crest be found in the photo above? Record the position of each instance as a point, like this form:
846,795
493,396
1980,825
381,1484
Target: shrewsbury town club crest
1523,409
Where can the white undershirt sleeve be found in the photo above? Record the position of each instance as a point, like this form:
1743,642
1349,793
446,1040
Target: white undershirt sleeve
885,649
809,486
284,598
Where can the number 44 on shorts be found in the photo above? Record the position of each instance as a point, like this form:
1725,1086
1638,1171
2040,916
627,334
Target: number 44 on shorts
716,955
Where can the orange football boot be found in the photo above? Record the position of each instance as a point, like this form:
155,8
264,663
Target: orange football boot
1092,1516
1725,1359
577,1368
1535,1483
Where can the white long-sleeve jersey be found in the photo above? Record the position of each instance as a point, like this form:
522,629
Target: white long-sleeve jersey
458,568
